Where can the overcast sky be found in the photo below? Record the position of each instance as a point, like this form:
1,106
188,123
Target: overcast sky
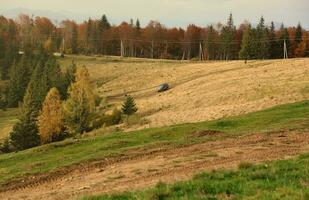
174,12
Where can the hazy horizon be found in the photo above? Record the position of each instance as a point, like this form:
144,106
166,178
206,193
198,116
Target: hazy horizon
172,13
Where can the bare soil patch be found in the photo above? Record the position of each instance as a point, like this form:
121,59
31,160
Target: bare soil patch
142,169
205,133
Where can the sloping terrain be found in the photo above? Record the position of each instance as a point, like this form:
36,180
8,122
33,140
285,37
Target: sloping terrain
122,161
141,170
7,119
135,160
200,91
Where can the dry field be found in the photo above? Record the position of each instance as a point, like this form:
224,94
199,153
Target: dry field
200,91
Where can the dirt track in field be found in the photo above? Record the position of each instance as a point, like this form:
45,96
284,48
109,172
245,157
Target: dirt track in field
140,169
202,91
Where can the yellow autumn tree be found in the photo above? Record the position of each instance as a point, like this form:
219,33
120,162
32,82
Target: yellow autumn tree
48,45
51,120
79,108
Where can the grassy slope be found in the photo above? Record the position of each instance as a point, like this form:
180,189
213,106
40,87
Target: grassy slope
52,156
214,89
284,179
7,119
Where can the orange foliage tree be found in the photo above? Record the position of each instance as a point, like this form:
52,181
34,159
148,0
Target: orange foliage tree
51,121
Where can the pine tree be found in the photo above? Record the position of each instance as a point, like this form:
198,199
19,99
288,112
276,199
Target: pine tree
53,73
3,99
274,46
137,34
104,24
210,44
262,44
138,26
67,79
79,108
227,36
129,107
50,121
25,132
298,35
74,39
89,36
9,58
19,79
246,47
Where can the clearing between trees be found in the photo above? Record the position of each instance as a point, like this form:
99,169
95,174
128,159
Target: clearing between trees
227,94
215,89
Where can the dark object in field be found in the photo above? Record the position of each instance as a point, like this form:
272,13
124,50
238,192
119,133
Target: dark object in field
163,87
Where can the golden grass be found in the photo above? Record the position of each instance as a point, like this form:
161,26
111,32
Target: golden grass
7,119
200,91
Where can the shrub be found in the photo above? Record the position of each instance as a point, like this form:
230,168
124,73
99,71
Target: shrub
115,117
98,100
136,120
24,135
108,120
245,165
5,146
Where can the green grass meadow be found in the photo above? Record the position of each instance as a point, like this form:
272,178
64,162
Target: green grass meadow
276,180
71,151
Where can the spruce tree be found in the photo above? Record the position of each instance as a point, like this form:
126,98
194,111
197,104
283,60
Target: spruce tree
3,98
210,45
19,79
25,132
262,44
138,26
104,24
227,36
298,35
246,46
8,60
274,46
79,109
129,107
67,79
74,39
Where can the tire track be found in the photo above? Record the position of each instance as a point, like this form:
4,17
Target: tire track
165,163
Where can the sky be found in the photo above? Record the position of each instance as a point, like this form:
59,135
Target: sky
177,13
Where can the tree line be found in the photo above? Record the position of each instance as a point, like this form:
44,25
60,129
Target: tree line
99,36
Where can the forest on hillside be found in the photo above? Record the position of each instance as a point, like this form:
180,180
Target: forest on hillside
223,41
